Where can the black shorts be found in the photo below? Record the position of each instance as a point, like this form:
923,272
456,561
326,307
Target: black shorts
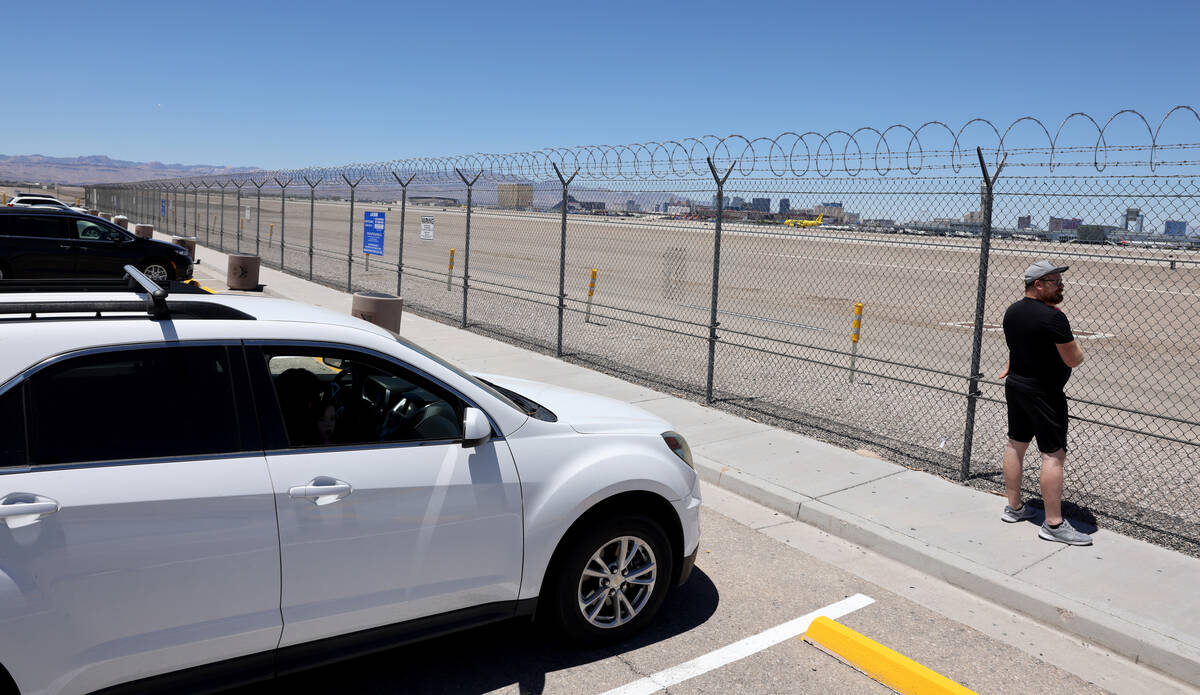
1033,413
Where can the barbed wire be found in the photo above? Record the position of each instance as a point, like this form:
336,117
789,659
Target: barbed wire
787,154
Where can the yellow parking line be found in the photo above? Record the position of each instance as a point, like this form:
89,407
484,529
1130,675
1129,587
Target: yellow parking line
889,667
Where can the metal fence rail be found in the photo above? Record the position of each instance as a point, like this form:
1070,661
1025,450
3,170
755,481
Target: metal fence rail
696,280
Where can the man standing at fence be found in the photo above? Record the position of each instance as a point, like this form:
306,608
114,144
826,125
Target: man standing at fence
1042,352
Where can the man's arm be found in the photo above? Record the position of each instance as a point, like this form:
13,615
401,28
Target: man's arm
1070,353
1007,366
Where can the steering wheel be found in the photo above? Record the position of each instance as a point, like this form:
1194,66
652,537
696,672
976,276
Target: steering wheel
398,418
340,381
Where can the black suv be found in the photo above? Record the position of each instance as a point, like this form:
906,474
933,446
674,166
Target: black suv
53,243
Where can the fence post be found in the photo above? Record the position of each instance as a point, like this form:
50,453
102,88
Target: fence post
221,229
207,211
282,216
467,250
712,321
258,215
403,205
239,214
562,257
196,207
973,392
350,235
312,209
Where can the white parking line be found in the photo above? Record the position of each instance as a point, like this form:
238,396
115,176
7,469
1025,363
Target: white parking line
739,650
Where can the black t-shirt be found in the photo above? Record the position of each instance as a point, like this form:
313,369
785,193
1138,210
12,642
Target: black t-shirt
1033,330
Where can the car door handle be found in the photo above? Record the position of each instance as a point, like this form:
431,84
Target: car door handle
22,509
322,490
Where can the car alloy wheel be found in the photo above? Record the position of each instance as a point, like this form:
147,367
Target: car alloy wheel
156,272
617,582
611,579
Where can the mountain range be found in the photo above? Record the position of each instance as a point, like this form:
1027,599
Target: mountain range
98,169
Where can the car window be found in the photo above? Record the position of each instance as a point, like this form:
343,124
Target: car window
36,226
332,398
95,232
12,429
117,405
477,382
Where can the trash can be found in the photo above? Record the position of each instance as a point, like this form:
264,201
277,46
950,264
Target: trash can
187,242
242,272
145,231
121,221
378,308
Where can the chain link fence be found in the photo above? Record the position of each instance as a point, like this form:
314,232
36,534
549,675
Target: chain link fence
728,270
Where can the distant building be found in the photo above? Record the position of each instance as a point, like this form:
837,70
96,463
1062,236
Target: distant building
677,208
1175,228
1132,221
738,203
973,217
432,200
1024,221
880,222
1062,224
591,206
514,196
784,206
632,206
834,212
761,204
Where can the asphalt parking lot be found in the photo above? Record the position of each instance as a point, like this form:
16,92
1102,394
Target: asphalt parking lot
752,575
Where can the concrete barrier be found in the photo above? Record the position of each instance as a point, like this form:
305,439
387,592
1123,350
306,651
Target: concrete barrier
121,221
378,308
187,242
93,211
242,272
145,231
105,215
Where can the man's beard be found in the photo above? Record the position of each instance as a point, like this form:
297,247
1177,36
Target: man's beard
1054,297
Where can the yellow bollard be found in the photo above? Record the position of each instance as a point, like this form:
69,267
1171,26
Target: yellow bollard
855,327
3,199
270,233
450,272
587,317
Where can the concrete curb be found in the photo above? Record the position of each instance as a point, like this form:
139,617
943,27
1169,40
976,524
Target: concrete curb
1136,642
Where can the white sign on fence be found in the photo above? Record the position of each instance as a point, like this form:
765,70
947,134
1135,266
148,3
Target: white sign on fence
247,213
427,227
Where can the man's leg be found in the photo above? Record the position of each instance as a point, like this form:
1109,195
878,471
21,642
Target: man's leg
1014,454
1052,485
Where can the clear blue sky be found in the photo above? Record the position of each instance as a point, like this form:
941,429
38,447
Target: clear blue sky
294,84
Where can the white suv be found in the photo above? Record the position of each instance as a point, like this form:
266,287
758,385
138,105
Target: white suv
199,486
27,200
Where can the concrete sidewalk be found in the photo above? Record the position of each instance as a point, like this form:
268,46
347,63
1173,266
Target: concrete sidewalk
1136,599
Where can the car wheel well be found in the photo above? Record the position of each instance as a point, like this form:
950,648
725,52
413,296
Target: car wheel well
5,270
639,502
7,685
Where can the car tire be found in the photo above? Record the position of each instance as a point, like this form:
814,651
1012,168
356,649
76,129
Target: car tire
592,609
157,270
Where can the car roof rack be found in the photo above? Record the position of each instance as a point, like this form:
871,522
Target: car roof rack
153,301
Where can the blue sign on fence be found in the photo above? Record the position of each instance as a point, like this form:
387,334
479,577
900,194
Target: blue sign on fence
163,205
373,223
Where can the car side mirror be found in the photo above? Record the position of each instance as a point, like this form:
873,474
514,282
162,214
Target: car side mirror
476,428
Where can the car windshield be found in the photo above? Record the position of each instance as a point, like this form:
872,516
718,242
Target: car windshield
478,382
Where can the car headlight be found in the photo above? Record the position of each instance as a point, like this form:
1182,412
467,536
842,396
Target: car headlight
676,442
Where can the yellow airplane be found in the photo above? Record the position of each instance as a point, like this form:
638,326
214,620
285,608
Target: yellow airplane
805,223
